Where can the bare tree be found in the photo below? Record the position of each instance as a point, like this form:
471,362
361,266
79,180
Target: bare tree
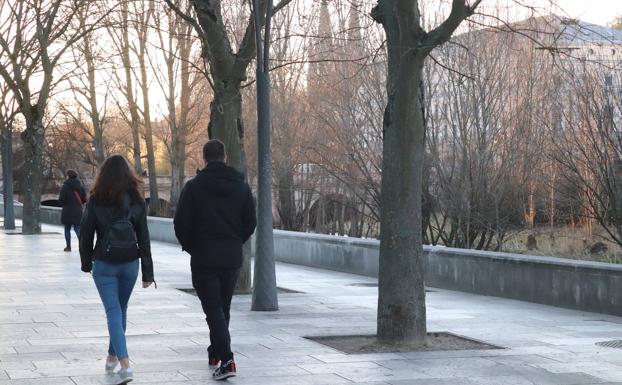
83,80
401,293
589,146
227,72
34,36
481,150
290,124
120,33
182,77
142,15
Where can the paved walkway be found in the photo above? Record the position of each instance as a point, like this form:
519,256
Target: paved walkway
53,330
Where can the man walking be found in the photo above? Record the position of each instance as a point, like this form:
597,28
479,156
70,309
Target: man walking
215,216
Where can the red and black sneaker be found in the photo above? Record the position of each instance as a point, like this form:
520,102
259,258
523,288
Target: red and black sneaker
225,371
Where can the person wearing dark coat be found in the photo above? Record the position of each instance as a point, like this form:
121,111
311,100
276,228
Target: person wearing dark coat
72,197
116,198
215,216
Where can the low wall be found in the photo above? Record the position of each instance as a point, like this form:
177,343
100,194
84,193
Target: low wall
582,285
50,215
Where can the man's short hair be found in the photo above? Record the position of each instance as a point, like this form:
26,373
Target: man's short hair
214,149
71,174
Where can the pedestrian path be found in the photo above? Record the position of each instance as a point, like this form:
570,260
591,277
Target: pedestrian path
53,330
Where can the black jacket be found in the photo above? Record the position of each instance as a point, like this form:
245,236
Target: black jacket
72,208
215,216
97,219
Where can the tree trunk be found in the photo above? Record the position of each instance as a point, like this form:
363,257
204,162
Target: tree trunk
226,124
98,131
287,207
154,199
178,162
33,138
321,206
129,91
401,291
552,196
179,128
6,143
531,211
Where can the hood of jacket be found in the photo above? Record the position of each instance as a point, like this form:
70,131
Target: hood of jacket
73,183
218,178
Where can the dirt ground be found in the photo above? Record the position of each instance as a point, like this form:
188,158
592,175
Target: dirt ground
370,344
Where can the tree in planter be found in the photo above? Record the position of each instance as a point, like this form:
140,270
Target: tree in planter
401,292
227,72
34,35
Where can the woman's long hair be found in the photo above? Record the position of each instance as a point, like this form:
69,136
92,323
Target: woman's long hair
114,179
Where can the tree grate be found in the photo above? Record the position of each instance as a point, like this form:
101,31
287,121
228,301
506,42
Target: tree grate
616,344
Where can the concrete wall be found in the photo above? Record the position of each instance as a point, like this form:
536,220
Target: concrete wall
17,207
350,255
50,215
582,285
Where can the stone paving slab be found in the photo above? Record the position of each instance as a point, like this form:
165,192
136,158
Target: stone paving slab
53,330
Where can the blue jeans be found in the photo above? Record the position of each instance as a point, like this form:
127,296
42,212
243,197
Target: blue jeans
115,282
76,229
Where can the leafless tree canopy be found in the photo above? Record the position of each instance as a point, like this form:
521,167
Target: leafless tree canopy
522,113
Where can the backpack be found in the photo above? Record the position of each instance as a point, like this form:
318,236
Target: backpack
120,244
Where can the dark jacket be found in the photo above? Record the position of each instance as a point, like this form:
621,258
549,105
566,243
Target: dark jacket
215,216
72,207
97,219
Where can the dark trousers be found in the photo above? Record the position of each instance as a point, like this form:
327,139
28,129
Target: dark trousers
76,229
215,290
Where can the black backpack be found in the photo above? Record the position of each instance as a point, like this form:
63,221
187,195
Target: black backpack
119,242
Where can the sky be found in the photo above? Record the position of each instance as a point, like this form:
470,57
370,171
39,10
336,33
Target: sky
592,11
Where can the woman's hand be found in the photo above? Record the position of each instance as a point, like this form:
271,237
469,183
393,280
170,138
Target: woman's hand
146,284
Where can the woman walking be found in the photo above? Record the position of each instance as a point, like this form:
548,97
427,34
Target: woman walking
117,212
71,197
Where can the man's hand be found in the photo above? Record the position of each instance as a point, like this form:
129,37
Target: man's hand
146,284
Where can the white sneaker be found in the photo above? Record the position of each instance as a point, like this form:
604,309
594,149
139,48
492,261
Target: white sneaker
111,365
125,375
